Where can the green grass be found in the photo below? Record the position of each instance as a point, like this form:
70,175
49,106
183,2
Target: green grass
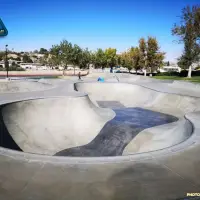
195,79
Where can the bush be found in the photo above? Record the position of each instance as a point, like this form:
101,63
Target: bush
16,68
196,73
13,68
183,73
167,74
20,69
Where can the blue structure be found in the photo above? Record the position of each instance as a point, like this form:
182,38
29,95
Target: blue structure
100,79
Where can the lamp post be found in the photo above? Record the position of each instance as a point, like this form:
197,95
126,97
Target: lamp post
6,60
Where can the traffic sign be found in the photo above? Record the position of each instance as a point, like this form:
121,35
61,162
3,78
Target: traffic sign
3,30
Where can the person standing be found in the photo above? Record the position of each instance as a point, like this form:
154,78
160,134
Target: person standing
79,76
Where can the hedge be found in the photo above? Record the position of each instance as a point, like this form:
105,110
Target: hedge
183,73
168,74
13,68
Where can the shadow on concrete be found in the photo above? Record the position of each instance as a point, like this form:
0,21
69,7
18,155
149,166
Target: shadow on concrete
6,140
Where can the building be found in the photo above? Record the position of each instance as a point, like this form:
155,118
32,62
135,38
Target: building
170,69
31,66
10,61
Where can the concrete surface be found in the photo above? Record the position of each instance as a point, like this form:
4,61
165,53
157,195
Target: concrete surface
118,132
160,137
166,174
46,126
22,86
135,95
38,73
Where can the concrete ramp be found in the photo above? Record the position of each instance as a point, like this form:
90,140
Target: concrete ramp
22,86
130,95
134,95
46,126
160,137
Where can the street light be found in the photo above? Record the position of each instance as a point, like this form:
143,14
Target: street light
6,60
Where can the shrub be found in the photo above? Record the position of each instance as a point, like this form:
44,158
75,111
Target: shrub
196,73
13,68
20,69
183,73
172,73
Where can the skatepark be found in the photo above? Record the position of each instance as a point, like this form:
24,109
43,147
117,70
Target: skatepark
130,137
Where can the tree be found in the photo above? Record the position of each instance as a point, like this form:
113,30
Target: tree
142,49
44,60
2,54
99,59
154,58
66,53
126,60
111,57
188,32
75,56
134,54
43,51
55,57
13,64
130,59
159,60
61,54
85,59
119,60
35,51
15,67
26,59
18,59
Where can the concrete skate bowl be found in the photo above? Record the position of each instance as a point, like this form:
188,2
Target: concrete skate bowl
77,127
146,104
46,126
34,130
22,86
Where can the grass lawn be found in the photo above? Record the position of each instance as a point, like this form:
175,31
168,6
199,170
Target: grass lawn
193,79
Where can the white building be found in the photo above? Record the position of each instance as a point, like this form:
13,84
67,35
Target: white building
170,69
31,66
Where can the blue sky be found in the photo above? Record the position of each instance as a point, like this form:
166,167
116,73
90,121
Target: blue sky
90,23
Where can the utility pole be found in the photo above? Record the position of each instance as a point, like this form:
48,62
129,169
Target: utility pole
6,60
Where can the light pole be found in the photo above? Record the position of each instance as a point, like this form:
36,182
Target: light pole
6,60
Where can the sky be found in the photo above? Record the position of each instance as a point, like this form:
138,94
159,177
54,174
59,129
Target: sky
93,24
